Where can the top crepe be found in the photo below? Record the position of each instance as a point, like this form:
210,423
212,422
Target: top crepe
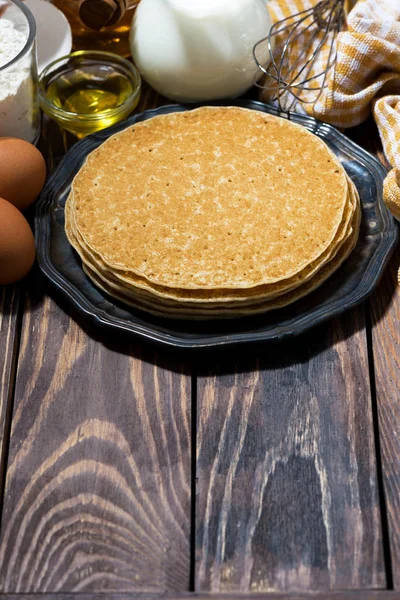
217,197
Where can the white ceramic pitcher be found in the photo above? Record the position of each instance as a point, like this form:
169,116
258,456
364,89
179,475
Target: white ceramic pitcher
196,50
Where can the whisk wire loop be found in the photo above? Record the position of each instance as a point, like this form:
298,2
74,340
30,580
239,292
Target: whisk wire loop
301,52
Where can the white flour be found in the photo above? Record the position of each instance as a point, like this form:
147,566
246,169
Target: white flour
18,105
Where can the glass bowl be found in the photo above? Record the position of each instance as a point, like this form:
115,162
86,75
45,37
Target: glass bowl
87,91
19,108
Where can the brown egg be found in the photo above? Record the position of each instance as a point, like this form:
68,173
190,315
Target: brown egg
22,172
17,246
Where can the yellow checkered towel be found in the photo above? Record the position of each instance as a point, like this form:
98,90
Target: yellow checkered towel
366,76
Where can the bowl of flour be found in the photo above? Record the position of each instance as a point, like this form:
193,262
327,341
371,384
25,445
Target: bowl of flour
19,109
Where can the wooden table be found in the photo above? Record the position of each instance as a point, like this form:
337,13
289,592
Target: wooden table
134,470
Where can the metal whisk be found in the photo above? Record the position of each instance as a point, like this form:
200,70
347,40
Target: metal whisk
298,54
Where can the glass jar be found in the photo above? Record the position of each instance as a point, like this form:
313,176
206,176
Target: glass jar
196,51
113,38
19,108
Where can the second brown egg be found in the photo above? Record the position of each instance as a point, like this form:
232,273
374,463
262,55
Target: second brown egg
17,245
22,172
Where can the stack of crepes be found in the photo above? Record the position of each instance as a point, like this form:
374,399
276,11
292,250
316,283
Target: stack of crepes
216,212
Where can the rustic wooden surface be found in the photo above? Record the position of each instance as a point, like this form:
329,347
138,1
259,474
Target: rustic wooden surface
353,595
385,357
292,488
8,349
287,494
98,482
385,305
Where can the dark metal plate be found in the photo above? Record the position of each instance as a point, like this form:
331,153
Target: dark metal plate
350,285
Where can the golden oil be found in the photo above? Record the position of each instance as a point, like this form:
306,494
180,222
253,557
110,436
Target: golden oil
90,97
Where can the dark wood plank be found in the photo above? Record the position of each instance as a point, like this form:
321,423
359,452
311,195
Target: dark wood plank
287,489
354,595
98,480
385,305
385,309
8,328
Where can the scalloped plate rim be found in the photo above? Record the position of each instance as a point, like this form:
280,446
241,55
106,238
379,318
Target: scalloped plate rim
277,332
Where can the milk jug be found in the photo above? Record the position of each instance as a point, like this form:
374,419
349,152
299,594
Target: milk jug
196,50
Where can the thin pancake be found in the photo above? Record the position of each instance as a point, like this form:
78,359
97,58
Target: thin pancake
217,197
262,307
210,297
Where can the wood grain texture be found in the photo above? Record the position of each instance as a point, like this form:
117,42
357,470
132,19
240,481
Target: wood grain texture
354,595
8,328
98,481
287,492
385,304
385,310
